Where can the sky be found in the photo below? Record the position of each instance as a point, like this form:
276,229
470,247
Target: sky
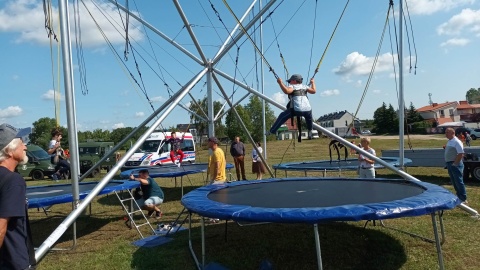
111,90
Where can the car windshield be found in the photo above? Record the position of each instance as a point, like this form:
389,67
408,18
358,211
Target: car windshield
149,146
40,154
88,150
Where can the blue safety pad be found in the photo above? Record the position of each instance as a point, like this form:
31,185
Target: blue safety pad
314,200
170,170
336,165
42,196
152,241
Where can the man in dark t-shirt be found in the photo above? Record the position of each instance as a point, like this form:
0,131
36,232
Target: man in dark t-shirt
16,248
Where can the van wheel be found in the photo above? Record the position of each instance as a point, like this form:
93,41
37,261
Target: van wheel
476,173
37,175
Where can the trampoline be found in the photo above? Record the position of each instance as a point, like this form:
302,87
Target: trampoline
334,165
316,200
172,171
43,196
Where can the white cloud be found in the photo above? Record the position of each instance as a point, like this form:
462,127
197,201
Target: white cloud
157,99
15,77
327,93
139,114
455,42
377,92
427,7
468,20
118,125
26,18
280,97
50,95
10,111
358,64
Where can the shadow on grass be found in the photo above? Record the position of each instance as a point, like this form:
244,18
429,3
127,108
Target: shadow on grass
171,194
85,225
285,246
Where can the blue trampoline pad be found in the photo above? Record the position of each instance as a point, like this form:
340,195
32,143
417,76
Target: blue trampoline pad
313,200
42,196
335,165
170,170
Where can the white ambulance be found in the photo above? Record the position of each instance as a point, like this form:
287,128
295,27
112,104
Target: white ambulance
155,152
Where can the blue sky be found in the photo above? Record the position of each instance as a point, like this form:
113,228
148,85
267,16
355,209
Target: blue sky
446,33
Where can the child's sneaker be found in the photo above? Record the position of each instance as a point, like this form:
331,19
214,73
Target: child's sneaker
179,164
158,214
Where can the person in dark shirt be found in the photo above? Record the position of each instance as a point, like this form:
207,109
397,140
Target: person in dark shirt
152,193
237,150
175,148
16,247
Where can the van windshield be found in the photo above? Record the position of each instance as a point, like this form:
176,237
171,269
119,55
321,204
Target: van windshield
149,146
40,154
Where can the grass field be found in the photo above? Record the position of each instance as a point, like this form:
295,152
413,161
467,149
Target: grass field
104,242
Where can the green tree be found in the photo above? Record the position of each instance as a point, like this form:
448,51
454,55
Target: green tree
473,96
385,120
233,126
41,133
412,116
118,134
200,124
254,109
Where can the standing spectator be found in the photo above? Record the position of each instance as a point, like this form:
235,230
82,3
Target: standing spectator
454,161
62,167
367,169
16,247
468,139
175,148
216,162
257,164
152,194
237,150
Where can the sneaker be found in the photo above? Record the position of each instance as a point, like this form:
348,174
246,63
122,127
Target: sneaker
465,202
55,177
158,214
179,164
150,213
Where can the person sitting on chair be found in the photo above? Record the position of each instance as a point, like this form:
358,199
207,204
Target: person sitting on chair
62,166
152,193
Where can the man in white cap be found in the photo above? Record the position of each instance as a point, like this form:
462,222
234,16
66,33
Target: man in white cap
16,247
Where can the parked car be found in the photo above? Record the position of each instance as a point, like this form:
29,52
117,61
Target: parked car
366,132
91,152
475,133
39,164
462,130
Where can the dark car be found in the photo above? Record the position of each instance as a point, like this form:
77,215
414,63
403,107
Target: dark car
91,152
462,130
38,165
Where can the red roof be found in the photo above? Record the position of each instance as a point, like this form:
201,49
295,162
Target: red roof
435,106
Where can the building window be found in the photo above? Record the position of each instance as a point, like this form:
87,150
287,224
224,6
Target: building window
442,113
451,112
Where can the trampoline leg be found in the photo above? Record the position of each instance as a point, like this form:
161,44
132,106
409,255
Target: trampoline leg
190,246
437,241
203,242
317,246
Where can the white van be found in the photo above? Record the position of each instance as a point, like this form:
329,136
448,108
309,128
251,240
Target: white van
314,134
155,152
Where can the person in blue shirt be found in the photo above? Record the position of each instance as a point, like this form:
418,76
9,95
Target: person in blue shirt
152,193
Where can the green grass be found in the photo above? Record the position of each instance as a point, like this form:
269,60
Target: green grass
104,242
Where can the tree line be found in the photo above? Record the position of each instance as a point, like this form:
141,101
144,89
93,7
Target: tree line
250,113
